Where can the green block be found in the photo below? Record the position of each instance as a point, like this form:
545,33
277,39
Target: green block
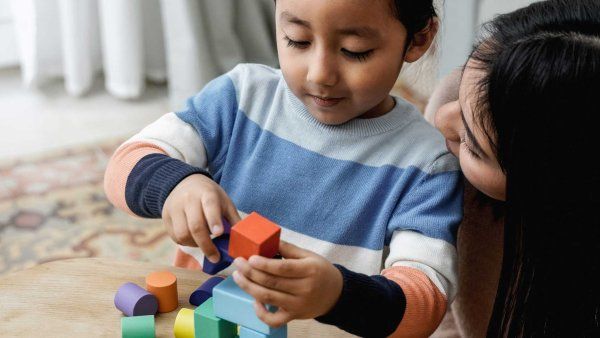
207,325
137,327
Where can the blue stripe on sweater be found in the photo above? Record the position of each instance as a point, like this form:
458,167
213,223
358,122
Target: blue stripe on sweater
342,202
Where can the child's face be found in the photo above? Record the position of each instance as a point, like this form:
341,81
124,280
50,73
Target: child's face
341,58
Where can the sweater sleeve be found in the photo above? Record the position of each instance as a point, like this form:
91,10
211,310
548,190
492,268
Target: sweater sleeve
147,167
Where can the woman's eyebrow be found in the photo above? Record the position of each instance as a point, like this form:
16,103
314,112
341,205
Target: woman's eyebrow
471,137
291,18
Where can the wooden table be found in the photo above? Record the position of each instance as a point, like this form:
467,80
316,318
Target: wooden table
74,298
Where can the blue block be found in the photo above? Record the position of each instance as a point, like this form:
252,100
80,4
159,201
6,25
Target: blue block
249,333
235,305
204,291
222,243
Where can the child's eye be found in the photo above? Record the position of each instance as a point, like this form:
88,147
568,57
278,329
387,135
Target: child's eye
297,44
362,56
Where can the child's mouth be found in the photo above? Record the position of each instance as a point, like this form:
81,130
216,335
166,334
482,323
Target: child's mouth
326,101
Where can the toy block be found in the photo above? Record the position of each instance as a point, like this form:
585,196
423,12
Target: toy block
137,327
184,324
254,235
226,227
163,284
207,325
222,244
233,304
133,300
205,290
249,333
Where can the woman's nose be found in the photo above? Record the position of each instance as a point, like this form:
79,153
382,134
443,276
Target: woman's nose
448,121
322,70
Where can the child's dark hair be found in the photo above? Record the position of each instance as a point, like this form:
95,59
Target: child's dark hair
414,15
538,105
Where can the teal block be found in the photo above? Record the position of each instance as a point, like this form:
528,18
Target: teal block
249,333
207,325
137,327
235,305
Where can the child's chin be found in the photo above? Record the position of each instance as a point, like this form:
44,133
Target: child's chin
329,118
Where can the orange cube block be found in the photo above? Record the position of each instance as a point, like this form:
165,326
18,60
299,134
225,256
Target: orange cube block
254,235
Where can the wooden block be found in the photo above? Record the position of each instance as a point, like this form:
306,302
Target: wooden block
222,244
207,325
254,235
133,300
163,284
136,327
205,290
184,324
233,304
245,332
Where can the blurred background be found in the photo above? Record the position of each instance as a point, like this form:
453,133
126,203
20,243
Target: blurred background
78,77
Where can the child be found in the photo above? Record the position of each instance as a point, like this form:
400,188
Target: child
323,150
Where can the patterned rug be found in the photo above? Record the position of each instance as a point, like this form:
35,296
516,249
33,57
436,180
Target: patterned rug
53,207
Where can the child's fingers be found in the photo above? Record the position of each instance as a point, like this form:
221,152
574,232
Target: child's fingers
261,293
180,232
291,268
211,206
286,285
200,234
288,250
273,319
231,212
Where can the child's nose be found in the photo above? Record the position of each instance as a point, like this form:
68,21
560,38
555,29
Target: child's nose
322,70
448,121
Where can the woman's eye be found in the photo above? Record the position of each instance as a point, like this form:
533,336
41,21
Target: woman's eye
469,149
360,56
297,44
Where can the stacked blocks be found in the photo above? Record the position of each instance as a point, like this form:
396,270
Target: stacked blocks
221,303
254,235
138,327
207,325
204,291
163,284
184,324
235,305
133,300
222,244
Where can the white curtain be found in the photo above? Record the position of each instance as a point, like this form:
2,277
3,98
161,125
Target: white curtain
184,42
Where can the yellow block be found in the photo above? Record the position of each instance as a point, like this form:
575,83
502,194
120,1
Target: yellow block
184,324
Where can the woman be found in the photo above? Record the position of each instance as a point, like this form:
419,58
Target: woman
524,127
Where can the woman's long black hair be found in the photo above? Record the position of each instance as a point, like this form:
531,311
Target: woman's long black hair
539,104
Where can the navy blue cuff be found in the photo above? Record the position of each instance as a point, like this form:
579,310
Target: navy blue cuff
152,180
369,306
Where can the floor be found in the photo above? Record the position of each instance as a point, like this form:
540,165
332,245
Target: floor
34,121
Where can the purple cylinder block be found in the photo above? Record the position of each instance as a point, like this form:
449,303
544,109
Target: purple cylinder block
204,291
134,300
222,244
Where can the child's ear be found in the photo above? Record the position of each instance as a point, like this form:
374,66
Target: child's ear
421,41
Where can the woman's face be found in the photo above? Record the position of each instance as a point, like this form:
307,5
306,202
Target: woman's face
466,139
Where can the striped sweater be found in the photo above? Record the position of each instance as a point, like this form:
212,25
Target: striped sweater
347,192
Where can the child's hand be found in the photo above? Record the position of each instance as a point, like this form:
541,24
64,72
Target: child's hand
196,203
303,285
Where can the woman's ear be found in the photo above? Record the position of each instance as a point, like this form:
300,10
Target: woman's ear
421,42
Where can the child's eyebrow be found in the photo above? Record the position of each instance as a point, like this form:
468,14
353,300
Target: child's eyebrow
289,17
360,31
